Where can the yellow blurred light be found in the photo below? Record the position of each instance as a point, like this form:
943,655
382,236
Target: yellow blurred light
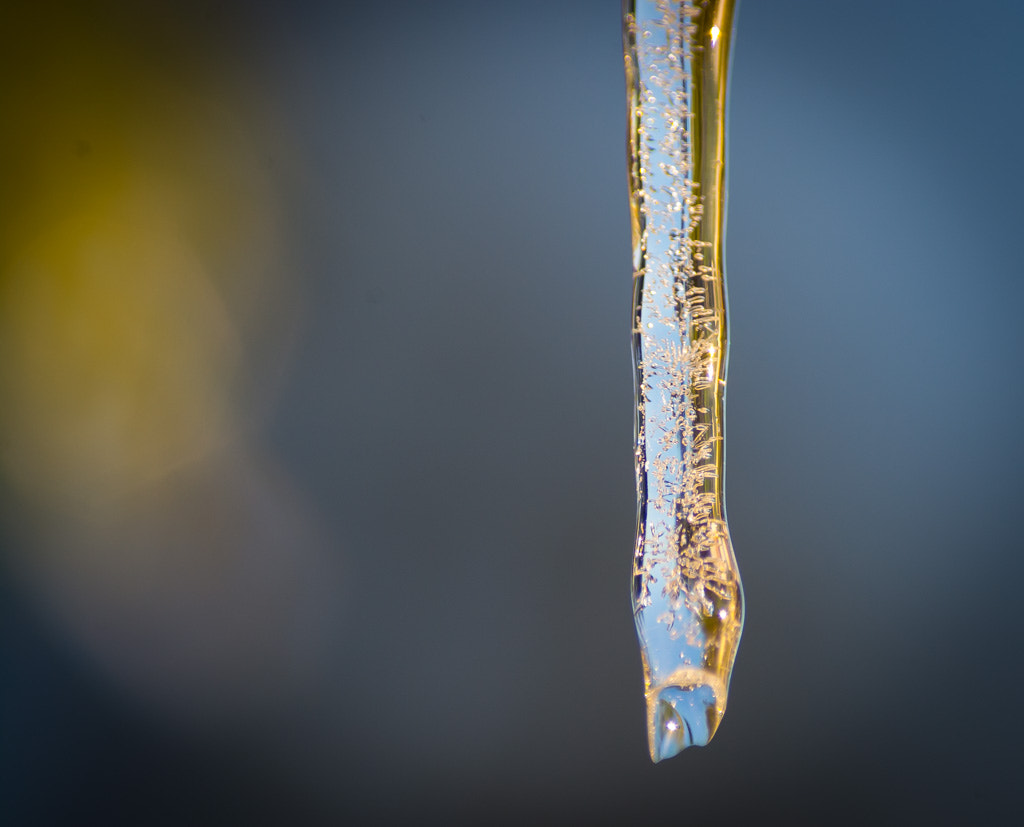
138,262
715,32
141,299
118,353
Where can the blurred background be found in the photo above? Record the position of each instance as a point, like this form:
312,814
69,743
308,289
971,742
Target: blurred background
316,483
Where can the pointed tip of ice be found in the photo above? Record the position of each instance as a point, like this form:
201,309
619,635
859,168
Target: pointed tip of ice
683,716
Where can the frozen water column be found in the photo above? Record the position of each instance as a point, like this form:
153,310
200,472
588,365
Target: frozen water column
687,597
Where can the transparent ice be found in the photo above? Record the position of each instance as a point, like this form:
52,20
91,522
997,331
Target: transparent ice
687,597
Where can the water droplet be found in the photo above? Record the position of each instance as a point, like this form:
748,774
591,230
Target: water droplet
684,717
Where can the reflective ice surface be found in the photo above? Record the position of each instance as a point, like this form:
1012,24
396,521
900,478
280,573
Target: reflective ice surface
687,597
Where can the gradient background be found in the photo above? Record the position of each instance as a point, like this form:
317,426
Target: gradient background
315,429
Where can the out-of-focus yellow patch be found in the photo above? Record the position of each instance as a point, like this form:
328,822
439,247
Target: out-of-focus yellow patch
143,291
139,260
117,355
